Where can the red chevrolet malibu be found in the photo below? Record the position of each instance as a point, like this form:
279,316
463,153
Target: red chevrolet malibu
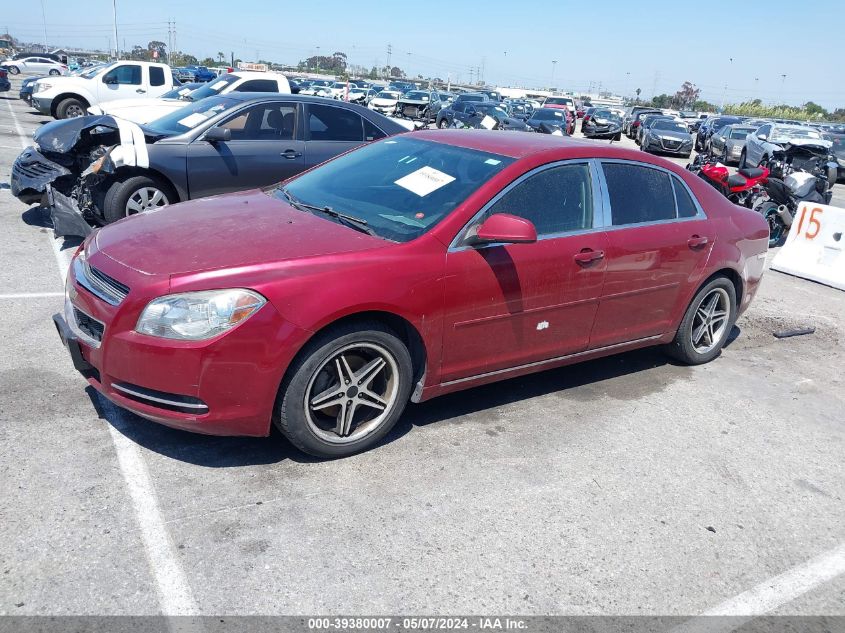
412,267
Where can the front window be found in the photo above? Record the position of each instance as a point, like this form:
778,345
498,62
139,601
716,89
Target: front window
416,95
559,101
189,117
401,187
388,94
787,133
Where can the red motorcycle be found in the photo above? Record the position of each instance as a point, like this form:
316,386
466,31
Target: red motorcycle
740,188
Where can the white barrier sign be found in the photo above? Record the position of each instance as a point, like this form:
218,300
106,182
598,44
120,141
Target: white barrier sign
815,246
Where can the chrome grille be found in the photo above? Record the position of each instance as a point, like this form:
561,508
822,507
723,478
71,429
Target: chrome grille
99,283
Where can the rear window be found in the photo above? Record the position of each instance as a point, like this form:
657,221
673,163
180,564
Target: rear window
639,194
156,76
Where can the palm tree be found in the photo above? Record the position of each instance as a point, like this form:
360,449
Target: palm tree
221,56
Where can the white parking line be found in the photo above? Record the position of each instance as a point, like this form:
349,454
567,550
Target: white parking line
770,594
174,592
30,295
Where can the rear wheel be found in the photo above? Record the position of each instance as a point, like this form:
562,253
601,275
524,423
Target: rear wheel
706,323
53,72
442,123
14,70
135,195
345,391
70,108
777,229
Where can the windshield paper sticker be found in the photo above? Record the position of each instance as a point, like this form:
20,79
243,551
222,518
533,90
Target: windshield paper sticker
425,180
192,120
488,122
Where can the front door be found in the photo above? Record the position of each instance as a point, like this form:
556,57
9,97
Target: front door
658,245
265,149
508,305
125,81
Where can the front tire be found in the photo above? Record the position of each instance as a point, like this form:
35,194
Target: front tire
345,390
14,70
53,72
70,108
706,323
442,123
135,195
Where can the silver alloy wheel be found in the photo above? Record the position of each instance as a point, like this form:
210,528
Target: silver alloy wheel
144,199
352,393
710,321
73,111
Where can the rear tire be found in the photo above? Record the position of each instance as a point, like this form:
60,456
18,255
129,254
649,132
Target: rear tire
707,323
70,108
777,229
119,202
14,70
53,72
314,379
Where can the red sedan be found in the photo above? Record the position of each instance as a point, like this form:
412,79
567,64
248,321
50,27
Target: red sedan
412,267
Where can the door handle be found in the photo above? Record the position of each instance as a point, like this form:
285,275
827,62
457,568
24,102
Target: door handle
291,153
588,255
697,241
140,91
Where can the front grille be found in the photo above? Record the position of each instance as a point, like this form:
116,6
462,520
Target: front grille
32,170
88,324
99,283
161,399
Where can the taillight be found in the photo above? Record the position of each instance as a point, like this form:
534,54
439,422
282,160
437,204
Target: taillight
586,118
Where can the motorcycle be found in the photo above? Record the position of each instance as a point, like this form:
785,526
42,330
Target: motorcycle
741,188
800,173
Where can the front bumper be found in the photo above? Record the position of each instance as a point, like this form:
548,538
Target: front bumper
31,175
383,109
42,104
223,386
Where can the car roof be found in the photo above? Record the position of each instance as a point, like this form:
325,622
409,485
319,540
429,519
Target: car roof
519,145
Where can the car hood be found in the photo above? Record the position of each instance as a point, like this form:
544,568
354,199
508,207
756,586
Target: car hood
674,136
139,110
228,231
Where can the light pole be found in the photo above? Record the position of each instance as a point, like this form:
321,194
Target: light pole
44,17
725,90
554,64
114,24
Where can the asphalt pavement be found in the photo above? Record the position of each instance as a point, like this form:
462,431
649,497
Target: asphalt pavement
628,485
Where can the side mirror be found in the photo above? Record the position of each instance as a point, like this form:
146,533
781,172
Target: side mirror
762,137
503,228
217,135
110,80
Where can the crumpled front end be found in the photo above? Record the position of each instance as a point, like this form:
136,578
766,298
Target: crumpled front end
32,172
73,157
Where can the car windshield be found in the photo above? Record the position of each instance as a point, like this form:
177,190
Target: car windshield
559,101
794,132
672,126
605,114
490,109
187,118
388,94
212,88
417,95
547,114
96,70
741,132
401,187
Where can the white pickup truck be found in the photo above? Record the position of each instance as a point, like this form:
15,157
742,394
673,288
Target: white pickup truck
145,110
65,97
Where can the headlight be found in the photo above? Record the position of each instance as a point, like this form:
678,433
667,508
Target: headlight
195,316
39,87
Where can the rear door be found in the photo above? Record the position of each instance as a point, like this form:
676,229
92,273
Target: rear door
266,148
659,241
331,130
511,304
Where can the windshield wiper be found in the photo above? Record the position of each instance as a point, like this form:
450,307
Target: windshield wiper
359,224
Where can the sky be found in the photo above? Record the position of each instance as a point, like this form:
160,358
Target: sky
733,51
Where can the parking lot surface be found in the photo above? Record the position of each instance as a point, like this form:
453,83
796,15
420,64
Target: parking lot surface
628,485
